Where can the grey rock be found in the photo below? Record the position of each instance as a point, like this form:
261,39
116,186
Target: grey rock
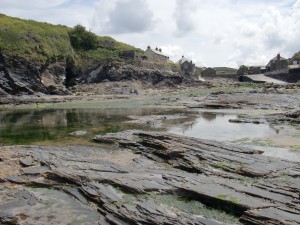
231,178
28,161
13,210
78,133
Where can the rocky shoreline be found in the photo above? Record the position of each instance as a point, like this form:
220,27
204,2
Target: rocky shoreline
137,177
130,188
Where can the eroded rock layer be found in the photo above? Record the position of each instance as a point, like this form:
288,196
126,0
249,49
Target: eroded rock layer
147,178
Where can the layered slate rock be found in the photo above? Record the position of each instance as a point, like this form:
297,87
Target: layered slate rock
255,188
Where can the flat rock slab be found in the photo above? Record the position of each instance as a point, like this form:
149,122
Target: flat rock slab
263,79
255,188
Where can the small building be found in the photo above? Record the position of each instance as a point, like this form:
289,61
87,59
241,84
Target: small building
277,63
155,55
294,61
209,72
187,66
130,54
263,69
256,70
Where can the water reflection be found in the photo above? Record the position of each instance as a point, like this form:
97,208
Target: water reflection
278,152
217,127
52,127
35,126
208,116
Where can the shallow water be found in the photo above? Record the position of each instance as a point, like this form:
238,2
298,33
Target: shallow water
52,127
216,126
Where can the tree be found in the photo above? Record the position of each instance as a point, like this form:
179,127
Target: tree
242,70
82,39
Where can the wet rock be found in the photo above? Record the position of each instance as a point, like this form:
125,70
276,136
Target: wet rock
150,212
231,178
78,133
2,179
37,170
101,192
245,121
113,138
272,215
75,193
28,161
14,210
293,115
212,105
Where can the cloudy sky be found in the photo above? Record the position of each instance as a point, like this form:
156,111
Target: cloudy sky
210,32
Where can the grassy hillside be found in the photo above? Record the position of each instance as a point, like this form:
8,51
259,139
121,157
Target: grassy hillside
33,40
297,55
225,70
46,42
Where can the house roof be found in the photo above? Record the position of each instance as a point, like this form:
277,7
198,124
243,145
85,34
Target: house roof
281,58
183,59
158,52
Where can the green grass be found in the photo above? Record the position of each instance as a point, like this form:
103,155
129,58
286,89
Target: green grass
195,207
225,70
44,42
185,205
297,55
34,40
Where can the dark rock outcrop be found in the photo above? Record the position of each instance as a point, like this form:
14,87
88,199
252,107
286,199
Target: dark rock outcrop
112,71
20,76
23,77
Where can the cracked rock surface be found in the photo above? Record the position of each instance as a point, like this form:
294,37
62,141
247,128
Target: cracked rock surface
147,178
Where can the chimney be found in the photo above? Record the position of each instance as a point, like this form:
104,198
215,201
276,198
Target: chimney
156,49
183,56
148,47
159,49
278,56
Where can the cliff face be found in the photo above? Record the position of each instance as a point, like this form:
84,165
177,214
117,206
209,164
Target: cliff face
23,77
44,58
41,57
113,71
20,76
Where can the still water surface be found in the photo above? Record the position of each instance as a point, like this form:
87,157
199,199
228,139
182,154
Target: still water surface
52,127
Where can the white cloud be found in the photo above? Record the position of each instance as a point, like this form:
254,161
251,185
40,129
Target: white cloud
127,16
32,4
210,32
185,16
175,52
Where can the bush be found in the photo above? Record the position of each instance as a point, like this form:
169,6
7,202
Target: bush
82,39
242,70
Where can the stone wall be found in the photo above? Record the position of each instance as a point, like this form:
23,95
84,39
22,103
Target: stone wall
152,56
210,74
290,76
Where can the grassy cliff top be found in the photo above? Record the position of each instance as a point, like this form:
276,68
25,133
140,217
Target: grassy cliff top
46,42
225,70
297,55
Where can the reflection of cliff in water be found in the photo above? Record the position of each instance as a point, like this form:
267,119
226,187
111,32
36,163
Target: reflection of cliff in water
30,126
208,116
189,125
216,126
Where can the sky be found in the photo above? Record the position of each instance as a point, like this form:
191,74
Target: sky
209,32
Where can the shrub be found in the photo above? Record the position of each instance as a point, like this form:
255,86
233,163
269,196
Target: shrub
82,39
